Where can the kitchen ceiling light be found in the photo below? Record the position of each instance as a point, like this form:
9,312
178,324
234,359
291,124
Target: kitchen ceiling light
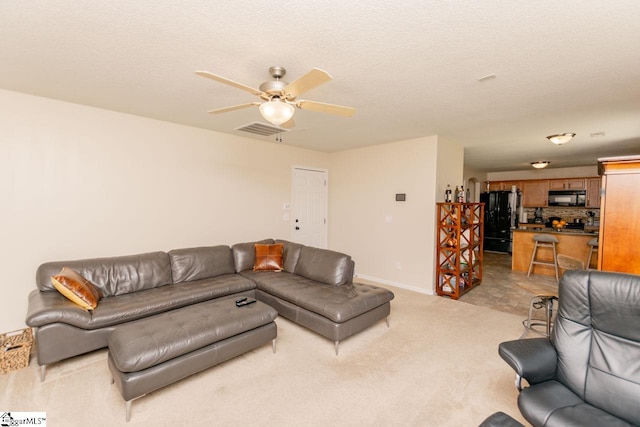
561,138
540,165
276,111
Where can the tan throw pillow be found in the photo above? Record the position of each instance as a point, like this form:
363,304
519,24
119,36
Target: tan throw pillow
268,257
76,288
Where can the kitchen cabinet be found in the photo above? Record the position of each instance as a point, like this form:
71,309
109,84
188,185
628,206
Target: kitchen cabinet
503,185
496,186
567,184
459,248
619,212
535,193
593,192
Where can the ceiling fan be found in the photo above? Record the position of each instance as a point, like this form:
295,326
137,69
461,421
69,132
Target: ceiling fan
278,98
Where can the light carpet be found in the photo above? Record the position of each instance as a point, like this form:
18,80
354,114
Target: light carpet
437,365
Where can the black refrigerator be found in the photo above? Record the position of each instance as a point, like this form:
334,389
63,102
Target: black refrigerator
500,209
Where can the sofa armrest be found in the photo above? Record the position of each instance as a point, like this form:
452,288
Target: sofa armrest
533,359
46,307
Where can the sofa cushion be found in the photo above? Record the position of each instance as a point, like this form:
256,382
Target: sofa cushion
200,263
51,307
290,254
337,303
244,254
76,288
114,275
268,257
323,265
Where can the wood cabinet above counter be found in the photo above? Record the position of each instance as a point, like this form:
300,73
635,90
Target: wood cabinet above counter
504,185
535,192
567,184
593,192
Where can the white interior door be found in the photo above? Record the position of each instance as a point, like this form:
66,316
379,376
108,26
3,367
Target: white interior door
309,207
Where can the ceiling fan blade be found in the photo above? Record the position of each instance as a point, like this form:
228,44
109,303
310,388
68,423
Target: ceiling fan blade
289,124
312,79
235,107
226,81
326,108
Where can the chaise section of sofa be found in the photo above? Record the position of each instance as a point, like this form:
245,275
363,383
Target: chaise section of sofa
316,290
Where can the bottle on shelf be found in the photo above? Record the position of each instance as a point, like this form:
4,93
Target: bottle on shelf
447,194
456,194
461,195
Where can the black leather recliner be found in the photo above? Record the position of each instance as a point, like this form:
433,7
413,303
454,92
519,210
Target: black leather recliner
588,372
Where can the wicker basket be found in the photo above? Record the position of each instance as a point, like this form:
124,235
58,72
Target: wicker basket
15,349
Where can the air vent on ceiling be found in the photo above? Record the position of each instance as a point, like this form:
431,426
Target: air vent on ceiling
261,129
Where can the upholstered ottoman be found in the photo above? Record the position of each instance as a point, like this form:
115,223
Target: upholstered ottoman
157,351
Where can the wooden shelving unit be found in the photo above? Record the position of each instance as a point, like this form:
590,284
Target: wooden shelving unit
459,250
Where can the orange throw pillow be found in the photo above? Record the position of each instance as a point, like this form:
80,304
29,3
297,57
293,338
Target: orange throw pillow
268,257
76,288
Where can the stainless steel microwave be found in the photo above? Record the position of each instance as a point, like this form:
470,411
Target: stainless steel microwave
567,197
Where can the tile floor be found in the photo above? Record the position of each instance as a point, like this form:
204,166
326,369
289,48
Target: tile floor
505,290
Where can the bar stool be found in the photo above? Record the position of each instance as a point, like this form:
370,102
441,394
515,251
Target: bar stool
544,241
565,262
593,243
538,302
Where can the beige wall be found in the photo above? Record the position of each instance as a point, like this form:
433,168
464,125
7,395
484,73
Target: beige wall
391,242
544,173
448,167
477,179
79,182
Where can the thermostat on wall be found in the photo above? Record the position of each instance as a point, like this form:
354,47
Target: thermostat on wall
401,197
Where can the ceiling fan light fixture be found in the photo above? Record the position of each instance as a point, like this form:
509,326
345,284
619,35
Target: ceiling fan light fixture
540,164
276,111
561,138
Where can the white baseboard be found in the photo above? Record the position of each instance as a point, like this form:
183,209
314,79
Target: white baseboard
396,284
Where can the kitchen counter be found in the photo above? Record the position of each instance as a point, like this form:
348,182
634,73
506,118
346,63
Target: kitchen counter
559,231
524,225
571,242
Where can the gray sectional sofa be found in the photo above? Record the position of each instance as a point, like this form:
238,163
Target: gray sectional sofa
315,290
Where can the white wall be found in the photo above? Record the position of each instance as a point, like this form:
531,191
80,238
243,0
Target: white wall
377,231
79,182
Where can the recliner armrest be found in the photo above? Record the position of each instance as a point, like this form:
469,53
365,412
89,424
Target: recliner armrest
533,359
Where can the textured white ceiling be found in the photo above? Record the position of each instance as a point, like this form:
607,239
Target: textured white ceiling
411,68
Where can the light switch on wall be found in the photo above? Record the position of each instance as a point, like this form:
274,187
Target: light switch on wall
286,206
388,219
285,216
